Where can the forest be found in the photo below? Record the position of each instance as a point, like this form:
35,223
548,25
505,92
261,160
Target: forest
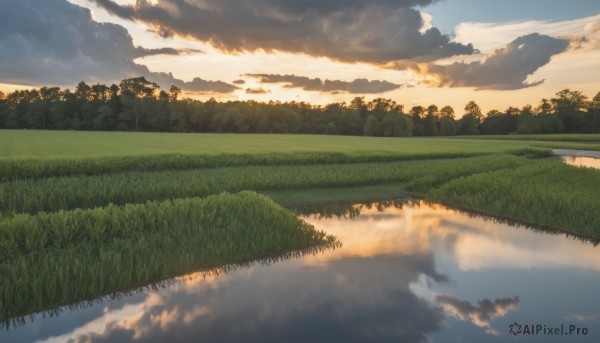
137,104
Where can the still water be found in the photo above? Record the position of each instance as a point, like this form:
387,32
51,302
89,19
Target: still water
578,161
580,158
407,272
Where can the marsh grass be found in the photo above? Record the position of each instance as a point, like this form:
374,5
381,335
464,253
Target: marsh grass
57,258
548,194
32,169
54,310
67,193
76,228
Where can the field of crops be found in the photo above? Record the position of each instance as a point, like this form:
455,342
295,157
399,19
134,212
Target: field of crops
76,205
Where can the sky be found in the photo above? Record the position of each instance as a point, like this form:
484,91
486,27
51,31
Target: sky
415,52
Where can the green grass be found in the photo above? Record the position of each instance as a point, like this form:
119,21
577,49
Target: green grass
321,196
29,169
562,137
88,213
567,145
54,194
548,194
15,144
56,258
556,141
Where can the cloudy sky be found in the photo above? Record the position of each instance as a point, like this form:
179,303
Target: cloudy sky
416,52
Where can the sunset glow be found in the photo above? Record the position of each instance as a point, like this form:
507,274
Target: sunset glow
394,47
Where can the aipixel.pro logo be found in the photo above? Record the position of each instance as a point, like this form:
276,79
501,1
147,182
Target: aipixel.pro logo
546,330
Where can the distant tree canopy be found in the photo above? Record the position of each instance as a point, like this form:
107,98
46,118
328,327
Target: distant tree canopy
137,104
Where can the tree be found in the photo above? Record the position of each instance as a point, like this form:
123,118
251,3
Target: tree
447,126
104,119
550,123
447,111
470,121
527,122
100,93
137,93
570,107
177,122
380,107
83,92
430,125
545,107
594,113
433,111
138,104
529,126
472,109
546,115
396,125
58,116
490,122
3,111
174,93
263,126
416,114
360,105
370,128
468,125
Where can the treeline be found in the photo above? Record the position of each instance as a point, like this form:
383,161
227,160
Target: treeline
140,105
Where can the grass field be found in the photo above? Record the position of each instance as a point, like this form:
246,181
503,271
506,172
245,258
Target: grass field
563,137
91,196
16,144
558,141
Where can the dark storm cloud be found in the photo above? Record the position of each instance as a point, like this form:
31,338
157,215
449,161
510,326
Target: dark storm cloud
56,42
504,69
377,31
358,86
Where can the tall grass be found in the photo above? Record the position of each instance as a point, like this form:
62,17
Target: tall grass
54,194
548,193
55,310
28,169
52,259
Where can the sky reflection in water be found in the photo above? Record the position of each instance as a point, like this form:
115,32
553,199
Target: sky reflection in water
582,161
409,274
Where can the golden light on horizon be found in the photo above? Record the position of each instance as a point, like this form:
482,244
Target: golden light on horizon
575,68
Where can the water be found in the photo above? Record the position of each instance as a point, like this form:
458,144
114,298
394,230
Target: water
578,161
580,158
406,273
